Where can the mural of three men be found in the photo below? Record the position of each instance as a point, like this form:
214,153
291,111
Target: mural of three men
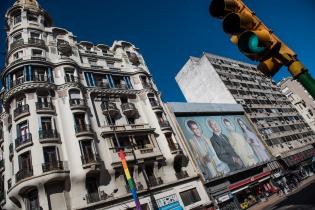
222,144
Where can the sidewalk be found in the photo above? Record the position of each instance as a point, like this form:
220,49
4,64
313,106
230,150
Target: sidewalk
274,199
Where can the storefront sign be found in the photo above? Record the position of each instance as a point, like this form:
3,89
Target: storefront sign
276,175
249,180
169,202
297,158
224,198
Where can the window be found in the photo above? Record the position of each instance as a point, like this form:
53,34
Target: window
25,162
17,37
50,154
142,142
75,97
69,75
124,142
152,100
190,196
37,53
79,119
92,61
34,35
87,151
31,200
22,130
43,99
18,55
17,18
131,120
31,17
46,123
133,58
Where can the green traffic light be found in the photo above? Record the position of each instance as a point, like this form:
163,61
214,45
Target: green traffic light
253,44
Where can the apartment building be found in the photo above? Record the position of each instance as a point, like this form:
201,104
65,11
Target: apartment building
217,79
67,107
300,98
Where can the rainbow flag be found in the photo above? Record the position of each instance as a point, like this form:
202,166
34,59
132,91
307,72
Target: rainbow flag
130,181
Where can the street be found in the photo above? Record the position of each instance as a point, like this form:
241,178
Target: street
303,199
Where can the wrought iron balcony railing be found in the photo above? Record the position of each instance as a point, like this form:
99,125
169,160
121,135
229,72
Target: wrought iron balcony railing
53,166
21,110
23,139
48,134
23,174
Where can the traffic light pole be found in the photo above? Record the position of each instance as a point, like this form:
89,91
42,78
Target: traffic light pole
307,82
258,42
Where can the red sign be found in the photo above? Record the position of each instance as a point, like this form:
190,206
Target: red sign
249,180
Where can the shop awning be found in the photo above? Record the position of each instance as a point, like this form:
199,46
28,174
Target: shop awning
249,180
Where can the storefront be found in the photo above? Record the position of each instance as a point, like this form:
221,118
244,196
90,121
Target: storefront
301,161
252,190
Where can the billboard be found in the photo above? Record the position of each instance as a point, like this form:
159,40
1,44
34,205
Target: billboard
222,144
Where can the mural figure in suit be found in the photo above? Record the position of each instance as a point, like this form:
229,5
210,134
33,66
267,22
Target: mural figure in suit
204,153
223,148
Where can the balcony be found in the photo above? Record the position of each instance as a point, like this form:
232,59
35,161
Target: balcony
46,107
72,79
129,109
48,136
146,85
23,141
155,181
102,84
138,185
16,44
121,86
83,129
53,166
77,104
181,175
155,104
33,78
174,147
21,111
37,42
89,160
110,109
164,124
96,197
1,165
23,174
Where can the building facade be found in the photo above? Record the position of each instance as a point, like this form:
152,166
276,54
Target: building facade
216,79
300,98
67,106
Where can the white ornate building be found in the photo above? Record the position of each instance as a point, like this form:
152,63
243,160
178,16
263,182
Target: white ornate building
58,145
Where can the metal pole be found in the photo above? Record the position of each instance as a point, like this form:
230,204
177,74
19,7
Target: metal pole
146,179
307,82
130,180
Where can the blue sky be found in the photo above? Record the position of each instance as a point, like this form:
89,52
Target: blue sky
168,32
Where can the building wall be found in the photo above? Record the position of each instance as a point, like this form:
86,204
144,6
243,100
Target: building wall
197,77
300,98
280,125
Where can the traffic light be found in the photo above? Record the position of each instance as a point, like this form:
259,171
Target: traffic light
252,37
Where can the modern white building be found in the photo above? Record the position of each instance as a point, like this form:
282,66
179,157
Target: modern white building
217,79
300,98
65,103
